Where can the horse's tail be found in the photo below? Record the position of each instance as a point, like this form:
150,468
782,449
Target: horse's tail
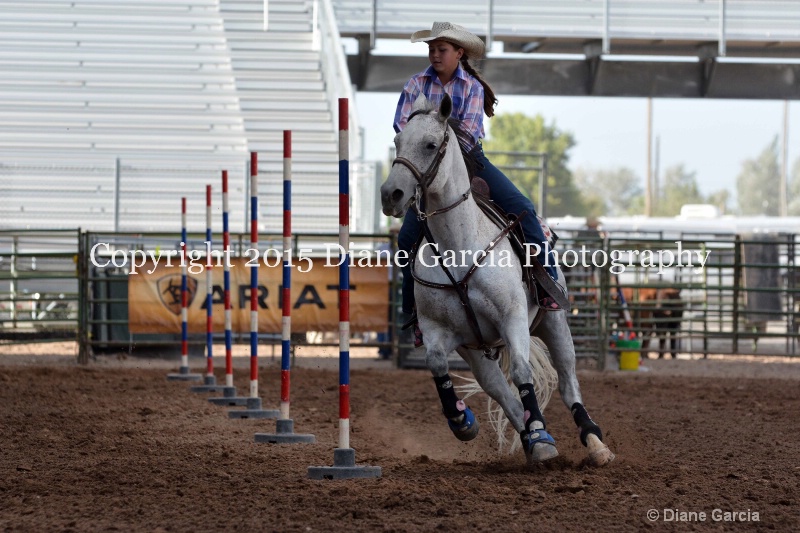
545,381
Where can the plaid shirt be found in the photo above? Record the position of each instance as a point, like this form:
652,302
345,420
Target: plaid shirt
463,88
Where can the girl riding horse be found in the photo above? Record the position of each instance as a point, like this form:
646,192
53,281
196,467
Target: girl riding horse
450,48
480,308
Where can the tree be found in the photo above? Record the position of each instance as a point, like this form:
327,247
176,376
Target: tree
794,190
679,188
517,132
613,192
758,183
720,200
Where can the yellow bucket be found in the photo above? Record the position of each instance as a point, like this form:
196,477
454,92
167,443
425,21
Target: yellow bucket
629,354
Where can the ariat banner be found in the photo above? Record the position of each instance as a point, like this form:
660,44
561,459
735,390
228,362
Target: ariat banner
154,298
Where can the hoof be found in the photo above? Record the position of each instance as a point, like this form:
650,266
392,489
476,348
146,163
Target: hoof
467,429
599,454
539,446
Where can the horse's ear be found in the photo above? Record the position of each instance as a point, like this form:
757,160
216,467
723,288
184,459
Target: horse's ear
445,108
420,104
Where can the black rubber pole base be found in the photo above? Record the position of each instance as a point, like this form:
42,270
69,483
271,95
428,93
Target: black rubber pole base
253,410
233,401
284,434
184,375
344,467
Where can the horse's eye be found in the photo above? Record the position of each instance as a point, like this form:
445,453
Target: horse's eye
431,146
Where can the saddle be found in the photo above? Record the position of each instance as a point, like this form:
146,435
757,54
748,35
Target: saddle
533,272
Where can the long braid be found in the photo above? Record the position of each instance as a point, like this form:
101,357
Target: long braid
489,99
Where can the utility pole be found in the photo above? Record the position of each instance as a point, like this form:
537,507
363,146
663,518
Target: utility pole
656,171
783,196
648,189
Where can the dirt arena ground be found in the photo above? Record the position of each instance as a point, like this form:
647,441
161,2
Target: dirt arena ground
113,446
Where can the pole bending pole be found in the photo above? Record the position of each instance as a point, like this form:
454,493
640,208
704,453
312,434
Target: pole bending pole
286,308
229,397
253,404
210,381
344,457
254,275
284,432
184,374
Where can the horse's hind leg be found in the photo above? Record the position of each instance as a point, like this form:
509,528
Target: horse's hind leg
554,332
460,418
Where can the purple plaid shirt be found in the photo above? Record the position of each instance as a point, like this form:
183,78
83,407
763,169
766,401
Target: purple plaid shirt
464,89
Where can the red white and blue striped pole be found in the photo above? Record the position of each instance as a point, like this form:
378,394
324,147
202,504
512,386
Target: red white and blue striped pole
286,314
184,292
184,374
209,292
210,380
254,275
253,401
226,251
344,276
344,457
284,427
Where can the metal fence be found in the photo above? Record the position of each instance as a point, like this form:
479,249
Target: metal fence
104,327
743,299
39,293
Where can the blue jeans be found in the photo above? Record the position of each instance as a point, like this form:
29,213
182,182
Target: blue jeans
502,192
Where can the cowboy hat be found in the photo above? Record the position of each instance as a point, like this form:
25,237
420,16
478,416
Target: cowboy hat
472,44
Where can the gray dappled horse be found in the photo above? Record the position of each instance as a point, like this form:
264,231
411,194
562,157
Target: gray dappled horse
499,309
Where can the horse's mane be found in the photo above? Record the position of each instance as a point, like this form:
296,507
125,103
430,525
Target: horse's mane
464,138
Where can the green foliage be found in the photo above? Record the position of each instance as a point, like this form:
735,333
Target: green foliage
721,200
794,190
758,183
614,192
679,187
517,132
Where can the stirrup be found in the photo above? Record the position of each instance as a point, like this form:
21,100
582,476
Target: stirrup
551,288
413,321
548,303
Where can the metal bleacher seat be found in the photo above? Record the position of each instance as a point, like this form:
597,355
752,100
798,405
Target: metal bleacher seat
148,100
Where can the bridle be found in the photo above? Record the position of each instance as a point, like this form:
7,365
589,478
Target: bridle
424,180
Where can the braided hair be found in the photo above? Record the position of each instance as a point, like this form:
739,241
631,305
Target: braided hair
489,98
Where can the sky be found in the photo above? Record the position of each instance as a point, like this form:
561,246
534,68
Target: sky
710,137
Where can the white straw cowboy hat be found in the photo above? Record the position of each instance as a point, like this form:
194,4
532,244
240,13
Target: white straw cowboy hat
472,44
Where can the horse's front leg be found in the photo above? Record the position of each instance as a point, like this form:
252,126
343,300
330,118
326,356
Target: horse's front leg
554,332
460,418
538,444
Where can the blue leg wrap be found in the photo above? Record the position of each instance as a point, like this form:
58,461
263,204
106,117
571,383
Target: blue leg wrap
534,436
467,429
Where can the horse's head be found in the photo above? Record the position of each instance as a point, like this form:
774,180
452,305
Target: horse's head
421,147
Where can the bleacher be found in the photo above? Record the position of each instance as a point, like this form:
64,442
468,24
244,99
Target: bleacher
135,103
748,27
744,49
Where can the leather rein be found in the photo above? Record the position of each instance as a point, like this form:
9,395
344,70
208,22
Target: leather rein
461,287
